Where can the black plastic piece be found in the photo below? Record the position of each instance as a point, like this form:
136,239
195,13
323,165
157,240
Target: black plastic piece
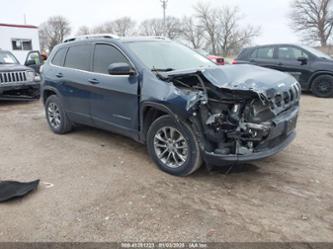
10,189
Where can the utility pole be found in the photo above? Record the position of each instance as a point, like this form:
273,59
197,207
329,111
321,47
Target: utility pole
164,6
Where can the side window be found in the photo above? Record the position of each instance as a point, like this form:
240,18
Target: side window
104,56
59,57
78,57
291,53
263,53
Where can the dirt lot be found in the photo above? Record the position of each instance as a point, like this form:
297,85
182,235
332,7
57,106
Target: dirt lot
107,189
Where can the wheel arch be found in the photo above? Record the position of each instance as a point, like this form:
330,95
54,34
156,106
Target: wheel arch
151,111
49,91
316,75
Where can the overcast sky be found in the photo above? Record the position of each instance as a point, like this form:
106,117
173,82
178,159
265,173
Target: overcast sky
272,16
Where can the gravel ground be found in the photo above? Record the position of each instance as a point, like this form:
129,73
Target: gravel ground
105,187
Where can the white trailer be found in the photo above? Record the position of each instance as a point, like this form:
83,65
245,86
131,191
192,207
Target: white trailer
19,39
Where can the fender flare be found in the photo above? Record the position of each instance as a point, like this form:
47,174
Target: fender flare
160,107
52,89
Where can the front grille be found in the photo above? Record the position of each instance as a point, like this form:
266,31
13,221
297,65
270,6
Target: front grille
286,98
13,77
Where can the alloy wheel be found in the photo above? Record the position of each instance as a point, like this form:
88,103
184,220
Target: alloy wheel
54,115
171,147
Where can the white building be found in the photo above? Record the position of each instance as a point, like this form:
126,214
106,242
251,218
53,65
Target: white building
19,39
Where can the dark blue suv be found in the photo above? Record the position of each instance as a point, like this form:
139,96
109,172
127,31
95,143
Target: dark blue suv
186,109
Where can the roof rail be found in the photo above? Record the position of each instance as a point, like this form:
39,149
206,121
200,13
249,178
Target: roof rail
160,37
90,37
144,37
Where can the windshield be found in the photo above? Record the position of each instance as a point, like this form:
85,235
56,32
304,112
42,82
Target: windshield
168,56
7,58
317,53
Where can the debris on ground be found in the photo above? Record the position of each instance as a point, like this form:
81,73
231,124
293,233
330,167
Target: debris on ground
10,189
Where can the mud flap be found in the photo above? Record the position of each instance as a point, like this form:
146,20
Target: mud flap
10,190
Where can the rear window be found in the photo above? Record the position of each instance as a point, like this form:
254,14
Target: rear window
78,57
245,53
59,57
263,53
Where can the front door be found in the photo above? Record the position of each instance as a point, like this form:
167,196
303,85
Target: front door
114,100
34,60
289,62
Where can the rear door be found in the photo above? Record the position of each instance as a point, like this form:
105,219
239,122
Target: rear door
288,61
114,101
76,87
264,57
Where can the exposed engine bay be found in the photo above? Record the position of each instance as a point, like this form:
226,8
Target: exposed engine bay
233,121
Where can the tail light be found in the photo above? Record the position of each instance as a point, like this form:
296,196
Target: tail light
234,62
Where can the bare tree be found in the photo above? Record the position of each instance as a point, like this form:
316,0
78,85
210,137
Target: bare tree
231,37
223,31
192,32
53,31
151,27
43,40
172,27
208,19
106,27
313,18
83,30
124,26
155,27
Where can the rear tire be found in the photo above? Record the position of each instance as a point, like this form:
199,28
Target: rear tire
322,86
173,147
56,116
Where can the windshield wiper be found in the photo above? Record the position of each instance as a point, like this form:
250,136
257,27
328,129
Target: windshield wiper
162,69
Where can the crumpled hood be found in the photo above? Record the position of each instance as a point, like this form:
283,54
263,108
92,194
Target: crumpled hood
13,68
263,81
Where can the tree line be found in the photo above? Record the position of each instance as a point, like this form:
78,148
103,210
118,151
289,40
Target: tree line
216,29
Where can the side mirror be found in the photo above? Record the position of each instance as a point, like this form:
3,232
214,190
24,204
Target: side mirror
120,69
303,60
30,63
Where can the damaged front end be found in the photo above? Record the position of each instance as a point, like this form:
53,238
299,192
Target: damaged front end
240,113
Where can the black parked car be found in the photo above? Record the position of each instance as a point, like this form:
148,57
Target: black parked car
160,93
312,68
17,82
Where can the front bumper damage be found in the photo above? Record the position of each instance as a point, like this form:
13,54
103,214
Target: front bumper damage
281,135
20,91
241,118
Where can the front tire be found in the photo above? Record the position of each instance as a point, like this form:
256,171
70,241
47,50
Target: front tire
322,86
56,116
174,148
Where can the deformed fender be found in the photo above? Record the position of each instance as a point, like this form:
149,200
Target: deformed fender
164,96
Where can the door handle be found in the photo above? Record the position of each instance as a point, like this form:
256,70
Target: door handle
94,81
59,75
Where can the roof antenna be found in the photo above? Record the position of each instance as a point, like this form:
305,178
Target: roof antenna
164,6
